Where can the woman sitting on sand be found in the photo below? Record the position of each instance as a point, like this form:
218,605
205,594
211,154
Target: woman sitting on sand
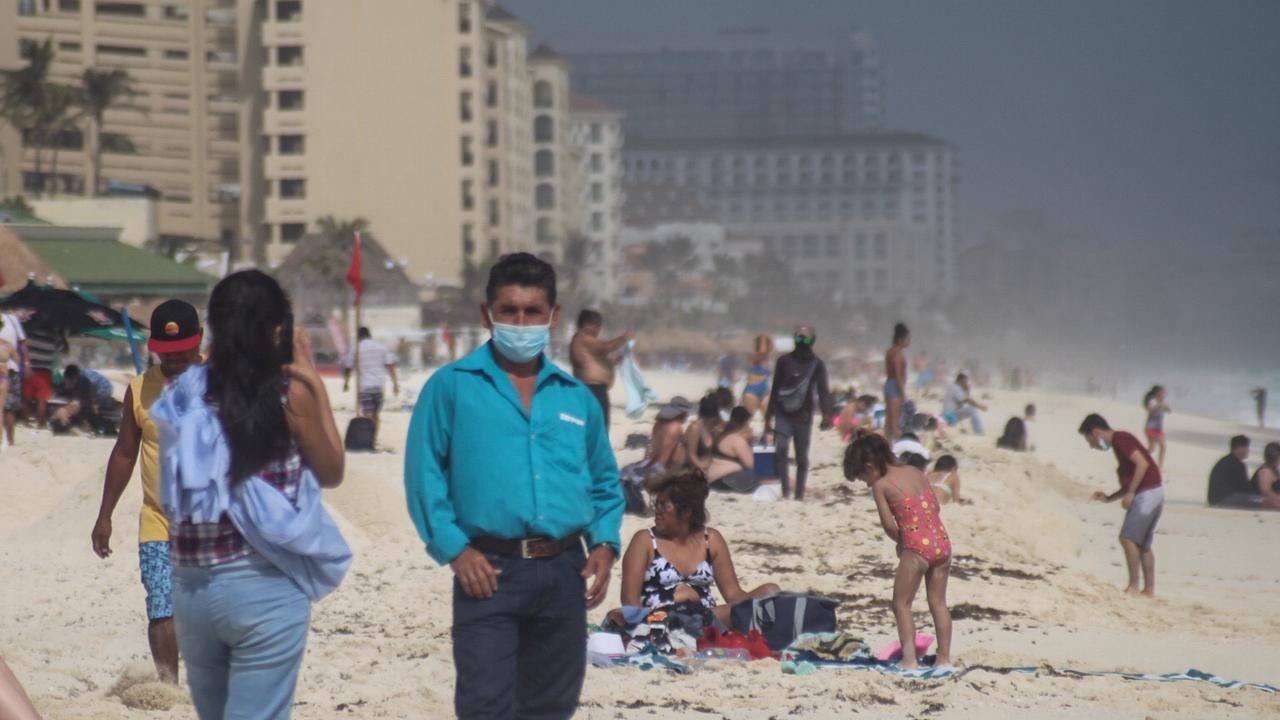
732,465
945,479
755,395
909,515
680,558
247,441
699,437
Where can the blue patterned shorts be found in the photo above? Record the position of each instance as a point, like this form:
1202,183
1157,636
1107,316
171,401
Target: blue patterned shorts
157,579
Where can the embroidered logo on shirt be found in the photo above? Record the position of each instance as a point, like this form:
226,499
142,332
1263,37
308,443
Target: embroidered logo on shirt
571,419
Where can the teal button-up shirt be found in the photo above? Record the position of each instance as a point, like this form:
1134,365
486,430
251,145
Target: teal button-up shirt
476,463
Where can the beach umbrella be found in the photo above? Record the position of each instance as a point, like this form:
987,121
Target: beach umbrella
60,311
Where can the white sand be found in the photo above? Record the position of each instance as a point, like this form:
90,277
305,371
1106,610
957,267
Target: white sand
74,626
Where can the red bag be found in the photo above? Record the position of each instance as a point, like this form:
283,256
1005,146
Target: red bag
753,642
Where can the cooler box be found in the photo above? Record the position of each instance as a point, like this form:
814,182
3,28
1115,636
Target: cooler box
766,465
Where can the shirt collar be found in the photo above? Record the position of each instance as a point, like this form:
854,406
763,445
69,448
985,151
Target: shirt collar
482,360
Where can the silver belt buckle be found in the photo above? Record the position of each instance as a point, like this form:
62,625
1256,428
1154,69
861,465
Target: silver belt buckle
524,549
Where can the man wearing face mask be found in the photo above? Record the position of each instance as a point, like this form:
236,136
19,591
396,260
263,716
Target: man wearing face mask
789,415
1141,494
511,481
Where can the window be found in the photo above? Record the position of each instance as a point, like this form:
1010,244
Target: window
544,230
468,157
597,192
597,132
544,163
464,17
289,55
465,105
491,94
881,247
122,50
859,280
27,47
468,239
293,144
545,197
597,162
493,173
288,10
292,232
26,7
491,134
69,46
69,6
121,9
495,217
291,100
543,96
811,246
597,221
464,62
175,54
176,12
293,188
468,199
491,55
543,129
833,246
860,247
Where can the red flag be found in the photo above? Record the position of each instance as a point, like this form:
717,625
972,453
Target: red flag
354,277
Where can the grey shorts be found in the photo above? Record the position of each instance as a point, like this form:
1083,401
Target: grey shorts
1141,518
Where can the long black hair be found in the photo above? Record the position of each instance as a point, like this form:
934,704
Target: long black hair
1151,394
246,368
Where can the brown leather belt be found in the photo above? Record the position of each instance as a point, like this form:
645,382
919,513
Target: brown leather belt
526,548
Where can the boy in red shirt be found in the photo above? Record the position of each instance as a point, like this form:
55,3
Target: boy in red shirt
1141,494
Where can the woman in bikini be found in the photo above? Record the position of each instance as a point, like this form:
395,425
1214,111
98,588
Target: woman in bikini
732,461
680,557
756,394
945,479
699,437
909,516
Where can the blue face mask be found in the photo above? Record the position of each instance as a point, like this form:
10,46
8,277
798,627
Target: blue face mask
520,343
1102,444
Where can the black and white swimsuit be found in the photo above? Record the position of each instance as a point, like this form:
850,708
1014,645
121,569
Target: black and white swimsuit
662,578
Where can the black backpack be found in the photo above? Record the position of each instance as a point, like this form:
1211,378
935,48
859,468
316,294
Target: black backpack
782,617
360,434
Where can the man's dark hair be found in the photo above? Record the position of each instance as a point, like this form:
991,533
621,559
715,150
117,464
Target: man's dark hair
1093,421
724,396
363,334
521,269
900,331
1031,410
946,463
589,317
71,372
1239,441
961,377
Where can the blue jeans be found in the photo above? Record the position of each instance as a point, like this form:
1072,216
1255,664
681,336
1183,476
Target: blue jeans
522,653
242,629
970,412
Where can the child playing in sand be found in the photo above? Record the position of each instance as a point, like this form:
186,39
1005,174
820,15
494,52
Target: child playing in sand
909,516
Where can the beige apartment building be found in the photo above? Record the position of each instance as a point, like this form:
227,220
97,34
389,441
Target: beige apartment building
557,181
595,141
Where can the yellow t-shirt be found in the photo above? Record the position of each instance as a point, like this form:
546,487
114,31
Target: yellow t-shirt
153,526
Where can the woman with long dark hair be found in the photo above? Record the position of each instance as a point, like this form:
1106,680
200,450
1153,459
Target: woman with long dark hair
1156,406
247,441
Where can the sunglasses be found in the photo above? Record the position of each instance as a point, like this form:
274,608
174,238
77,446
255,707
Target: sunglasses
661,507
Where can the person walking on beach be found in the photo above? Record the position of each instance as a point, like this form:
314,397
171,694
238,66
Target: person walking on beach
756,392
895,384
1156,407
1260,404
376,365
591,357
789,413
247,441
175,339
11,335
508,469
909,514
1141,494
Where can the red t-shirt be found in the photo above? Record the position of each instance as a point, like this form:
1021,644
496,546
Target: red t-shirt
1123,444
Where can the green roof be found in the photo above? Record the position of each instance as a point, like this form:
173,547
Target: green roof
92,259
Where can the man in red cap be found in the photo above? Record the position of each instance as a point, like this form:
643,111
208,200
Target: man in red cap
175,340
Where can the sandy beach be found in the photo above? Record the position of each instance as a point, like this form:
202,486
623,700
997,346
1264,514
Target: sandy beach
1036,582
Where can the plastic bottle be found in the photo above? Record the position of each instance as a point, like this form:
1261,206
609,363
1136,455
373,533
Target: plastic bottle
719,653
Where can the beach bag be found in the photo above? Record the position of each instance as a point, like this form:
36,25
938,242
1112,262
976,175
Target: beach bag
781,618
791,399
360,432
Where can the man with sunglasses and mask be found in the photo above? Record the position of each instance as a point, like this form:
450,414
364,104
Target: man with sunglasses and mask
511,481
789,416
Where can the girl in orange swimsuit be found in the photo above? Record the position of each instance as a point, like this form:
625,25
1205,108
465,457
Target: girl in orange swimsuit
909,514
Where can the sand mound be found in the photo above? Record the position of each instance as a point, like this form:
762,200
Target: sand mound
140,688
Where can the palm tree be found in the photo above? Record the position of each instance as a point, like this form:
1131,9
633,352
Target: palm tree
24,96
102,90
57,116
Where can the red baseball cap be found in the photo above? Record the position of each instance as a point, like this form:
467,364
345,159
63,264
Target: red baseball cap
175,327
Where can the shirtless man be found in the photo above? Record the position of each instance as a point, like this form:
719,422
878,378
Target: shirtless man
895,384
590,357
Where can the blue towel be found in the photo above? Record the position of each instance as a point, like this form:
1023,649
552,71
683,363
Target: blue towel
195,460
639,395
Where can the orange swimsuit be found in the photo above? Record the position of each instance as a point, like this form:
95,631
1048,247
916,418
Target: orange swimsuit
920,526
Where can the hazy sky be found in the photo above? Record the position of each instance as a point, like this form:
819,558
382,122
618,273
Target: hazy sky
1148,124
